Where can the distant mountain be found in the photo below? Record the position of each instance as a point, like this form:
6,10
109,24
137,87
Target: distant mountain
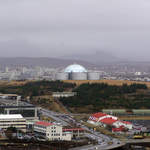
47,62
98,57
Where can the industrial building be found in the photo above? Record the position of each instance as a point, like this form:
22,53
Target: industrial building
51,131
13,120
10,96
10,106
77,72
28,112
102,119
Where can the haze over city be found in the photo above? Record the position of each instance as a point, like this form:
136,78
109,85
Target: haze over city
74,74
75,28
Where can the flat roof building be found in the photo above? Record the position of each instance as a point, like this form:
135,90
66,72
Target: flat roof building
13,120
27,110
76,132
63,94
51,131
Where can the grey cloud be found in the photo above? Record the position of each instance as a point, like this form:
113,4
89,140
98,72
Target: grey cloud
64,27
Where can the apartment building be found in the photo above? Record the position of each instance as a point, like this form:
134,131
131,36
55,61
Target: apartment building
51,131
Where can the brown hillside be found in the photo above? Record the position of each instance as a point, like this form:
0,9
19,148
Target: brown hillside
110,82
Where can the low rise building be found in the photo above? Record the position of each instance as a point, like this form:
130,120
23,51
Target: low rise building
63,94
10,96
13,105
76,132
13,120
51,131
102,119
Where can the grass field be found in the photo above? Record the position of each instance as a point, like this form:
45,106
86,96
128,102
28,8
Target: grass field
110,82
134,117
13,83
79,82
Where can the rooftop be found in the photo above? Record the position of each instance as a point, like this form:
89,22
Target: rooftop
11,116
42,123
117,129
75,68
99,114
108,121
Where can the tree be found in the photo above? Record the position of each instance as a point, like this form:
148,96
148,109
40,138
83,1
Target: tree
9,132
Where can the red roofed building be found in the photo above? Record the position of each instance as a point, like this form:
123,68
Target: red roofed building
94,118
51,131
120,129
127,124
108,121
42,123
102,119
97,117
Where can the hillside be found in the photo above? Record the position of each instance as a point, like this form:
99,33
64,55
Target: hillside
109,82
95,97
36,88
92,96
41,61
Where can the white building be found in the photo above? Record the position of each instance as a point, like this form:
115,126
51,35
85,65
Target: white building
13,120
63,94
51,131
102,119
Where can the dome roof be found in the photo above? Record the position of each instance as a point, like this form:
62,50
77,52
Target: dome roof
75,68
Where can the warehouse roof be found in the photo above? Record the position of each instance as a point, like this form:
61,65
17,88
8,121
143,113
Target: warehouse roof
108,121
11,116
99,114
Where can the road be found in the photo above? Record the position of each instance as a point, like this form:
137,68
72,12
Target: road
54,116
104,141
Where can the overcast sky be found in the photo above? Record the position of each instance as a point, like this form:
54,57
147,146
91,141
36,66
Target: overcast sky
55,28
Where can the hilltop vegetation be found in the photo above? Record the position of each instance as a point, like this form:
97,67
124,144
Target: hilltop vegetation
39,92
94,97
37,88
91,97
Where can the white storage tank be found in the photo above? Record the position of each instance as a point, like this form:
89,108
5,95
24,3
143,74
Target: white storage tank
93,75
78,76
62,76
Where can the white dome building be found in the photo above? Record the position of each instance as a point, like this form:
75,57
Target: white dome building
75,68
77,72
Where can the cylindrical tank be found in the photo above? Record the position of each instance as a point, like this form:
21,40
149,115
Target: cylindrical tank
78,76
62,76
93,75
